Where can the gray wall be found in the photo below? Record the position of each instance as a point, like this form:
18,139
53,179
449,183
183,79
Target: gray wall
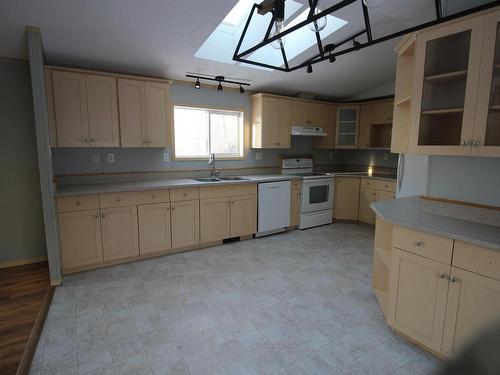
81,160
468,179
21,220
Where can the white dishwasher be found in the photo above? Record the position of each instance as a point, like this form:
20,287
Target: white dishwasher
274,207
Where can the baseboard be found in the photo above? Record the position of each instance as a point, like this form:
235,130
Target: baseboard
22,262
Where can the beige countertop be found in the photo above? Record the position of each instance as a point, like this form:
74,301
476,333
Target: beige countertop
375,176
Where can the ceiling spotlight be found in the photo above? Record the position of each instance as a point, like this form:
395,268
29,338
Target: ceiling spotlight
331,58
219,87
242,90
356,44
309,69
197,84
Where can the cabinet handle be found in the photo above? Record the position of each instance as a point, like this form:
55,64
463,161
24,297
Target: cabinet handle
476,143
102,215
173,208
92,140
118,199
420,243
444,276
454,279
96,216
78,203
153,196
85,140
466,142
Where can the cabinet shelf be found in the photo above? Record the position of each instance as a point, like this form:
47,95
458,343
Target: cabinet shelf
496,66
452,76
442,111
346,133
403,100
495,108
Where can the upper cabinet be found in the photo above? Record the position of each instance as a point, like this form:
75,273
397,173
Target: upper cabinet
85,110
448,90
271,120
375,124
347,127
144,113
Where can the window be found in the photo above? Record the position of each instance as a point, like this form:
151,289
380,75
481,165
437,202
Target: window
200,132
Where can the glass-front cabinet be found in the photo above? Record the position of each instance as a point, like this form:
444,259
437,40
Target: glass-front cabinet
447,68
347,127
486,139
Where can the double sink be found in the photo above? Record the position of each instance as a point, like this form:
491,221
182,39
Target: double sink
219,179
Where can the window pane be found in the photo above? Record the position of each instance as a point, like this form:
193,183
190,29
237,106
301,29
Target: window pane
225,134
191,132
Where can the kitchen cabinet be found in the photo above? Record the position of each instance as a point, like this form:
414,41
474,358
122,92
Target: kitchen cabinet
271,121
365,111
417,298
295,203
375,124
120,237
473,306
144,113
324,116
243,215
346,198
185,216
85,110
366,197
215,219
347,127
382,112
80,238
154,227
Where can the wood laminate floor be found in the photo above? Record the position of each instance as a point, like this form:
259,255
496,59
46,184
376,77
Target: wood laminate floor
22,292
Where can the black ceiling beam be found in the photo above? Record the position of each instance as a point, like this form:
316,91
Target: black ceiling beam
367,21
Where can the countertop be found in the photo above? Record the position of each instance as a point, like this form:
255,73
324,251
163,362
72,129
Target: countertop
375,176
107,187
407,212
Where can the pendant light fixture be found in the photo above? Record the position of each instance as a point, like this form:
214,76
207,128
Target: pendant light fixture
277,29
319,24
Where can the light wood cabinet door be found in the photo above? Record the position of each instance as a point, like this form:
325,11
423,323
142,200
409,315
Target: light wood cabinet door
382,112
119,232
473,307
70,109
154,227
486,138
366,197
102,101
365,111
447,70
215,219
271,121
243,215
295,207
346,198
132,102
347,128
417,297
80,238
157,114
282,129
384,195
324,117
301,113
185,216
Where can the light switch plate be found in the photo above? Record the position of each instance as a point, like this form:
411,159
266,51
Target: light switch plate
167,156
258,156
111,158
96,158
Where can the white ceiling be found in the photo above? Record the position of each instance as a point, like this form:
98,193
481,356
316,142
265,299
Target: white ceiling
160,37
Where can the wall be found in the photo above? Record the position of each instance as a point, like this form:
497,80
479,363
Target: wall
81,160
468,179
21,220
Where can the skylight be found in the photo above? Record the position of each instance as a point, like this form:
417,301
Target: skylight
220,45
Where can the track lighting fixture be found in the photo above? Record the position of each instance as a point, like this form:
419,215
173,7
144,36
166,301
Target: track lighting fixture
219,80
309,69
356,44
332,58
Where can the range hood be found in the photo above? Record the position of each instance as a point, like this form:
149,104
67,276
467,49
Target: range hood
308,131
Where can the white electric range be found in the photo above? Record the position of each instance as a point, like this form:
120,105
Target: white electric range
316,206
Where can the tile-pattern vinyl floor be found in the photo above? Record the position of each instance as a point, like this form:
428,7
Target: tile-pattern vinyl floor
295,303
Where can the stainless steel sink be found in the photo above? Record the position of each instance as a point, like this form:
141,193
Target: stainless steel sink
233,178
207,179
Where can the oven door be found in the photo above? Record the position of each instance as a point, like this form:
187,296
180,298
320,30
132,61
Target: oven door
317,195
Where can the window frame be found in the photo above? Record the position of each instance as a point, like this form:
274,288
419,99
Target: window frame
210,110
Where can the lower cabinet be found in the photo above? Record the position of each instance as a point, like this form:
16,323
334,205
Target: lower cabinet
417,298
80,238
346,198
385,195
215,219
473,306
296,197
154,227
120,237
243,215
366,197
185,216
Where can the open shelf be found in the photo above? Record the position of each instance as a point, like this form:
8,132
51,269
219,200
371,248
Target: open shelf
442,111
452,76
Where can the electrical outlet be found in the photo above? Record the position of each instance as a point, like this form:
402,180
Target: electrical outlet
111,158
96,158
258,156
166,156
386,156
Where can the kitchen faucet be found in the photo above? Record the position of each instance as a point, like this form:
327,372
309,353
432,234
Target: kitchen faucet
211,161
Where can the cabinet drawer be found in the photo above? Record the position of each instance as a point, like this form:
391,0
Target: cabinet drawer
77,203
153,196
378,184
477,259
184,194
424,244
207,192
296,184
122,199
